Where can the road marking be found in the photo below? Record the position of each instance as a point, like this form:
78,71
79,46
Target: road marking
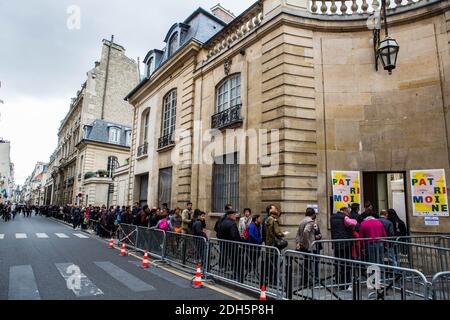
42,235
124,277
167,276
2,236
80,235
21,235
22,284
86,289
62,235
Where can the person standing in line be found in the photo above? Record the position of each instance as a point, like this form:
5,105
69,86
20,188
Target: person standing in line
187,216
373,229
244,223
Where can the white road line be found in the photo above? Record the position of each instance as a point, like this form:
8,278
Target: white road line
77,281
42,235
62,235
22,284
21,235
2,236
80,235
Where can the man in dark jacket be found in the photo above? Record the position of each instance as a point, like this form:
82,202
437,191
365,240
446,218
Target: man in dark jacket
230,252
343,248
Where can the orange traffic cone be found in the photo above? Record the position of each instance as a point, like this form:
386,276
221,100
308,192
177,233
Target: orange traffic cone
145,261
197,283
263,293
123,253
111,243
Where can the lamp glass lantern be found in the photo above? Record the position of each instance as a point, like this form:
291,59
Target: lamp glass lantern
388,52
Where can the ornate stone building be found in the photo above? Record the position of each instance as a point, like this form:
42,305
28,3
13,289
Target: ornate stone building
306,69
99,104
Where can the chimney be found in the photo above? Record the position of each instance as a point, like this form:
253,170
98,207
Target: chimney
223,14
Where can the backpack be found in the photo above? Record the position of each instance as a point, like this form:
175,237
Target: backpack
246,232
163,225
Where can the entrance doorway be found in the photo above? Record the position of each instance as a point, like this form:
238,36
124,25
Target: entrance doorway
386,190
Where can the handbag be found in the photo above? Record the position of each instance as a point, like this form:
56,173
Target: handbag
279,243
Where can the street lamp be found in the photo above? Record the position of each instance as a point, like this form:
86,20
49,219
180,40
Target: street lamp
387,49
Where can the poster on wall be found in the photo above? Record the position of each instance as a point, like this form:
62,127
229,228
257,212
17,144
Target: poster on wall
346,188
429,193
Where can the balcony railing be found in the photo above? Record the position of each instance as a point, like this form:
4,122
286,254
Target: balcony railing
166,141
354,7
142,150
227,117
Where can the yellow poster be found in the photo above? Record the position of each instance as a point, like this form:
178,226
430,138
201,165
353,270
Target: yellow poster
346,188
429,193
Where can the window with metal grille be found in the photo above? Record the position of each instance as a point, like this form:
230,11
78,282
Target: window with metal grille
169,113
164,186
112,164
225,182
229,93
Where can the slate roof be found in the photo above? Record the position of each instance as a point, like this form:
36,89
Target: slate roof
98,131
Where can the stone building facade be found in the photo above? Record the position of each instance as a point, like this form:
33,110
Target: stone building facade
6,172
307,70
99,99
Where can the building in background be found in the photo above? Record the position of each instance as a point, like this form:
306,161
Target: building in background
308,71
99,103
33,189
6,172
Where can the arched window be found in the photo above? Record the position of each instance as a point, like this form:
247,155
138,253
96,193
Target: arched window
169,114
150,67
112,164
228,93
173,43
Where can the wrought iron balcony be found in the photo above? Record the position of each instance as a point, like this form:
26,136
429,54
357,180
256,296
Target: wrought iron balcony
227,117
166,141
142,150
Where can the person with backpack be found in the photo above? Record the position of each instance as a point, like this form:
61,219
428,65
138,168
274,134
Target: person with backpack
244,223
164,223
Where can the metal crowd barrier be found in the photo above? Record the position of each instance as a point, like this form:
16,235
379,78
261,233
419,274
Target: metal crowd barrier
127,233
441,286
428,240
427,259
185,250
151,240
309,276
245,265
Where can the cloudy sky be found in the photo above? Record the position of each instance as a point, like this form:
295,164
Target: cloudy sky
43,62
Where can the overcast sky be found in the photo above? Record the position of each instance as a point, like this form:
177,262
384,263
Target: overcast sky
43,63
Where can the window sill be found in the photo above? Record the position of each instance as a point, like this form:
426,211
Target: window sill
216,214
142,157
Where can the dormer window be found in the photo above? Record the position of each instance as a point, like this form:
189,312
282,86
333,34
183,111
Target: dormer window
173,44
150,67
114,135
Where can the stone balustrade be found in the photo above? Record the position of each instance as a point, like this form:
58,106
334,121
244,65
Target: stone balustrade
354,7
238,31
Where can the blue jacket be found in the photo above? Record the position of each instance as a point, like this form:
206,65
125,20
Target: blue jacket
254,234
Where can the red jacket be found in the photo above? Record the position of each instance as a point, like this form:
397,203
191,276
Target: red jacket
371,228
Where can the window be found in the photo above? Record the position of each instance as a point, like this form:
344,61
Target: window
165,186
128,138
114,135
112,164
225,182
145,126
169,113
229,93
173,44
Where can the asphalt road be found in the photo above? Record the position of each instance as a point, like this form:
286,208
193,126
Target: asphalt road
39,260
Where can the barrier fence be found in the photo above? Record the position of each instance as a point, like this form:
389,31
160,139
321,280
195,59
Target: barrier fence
247,265
314,277
405,268
186,250
441,286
